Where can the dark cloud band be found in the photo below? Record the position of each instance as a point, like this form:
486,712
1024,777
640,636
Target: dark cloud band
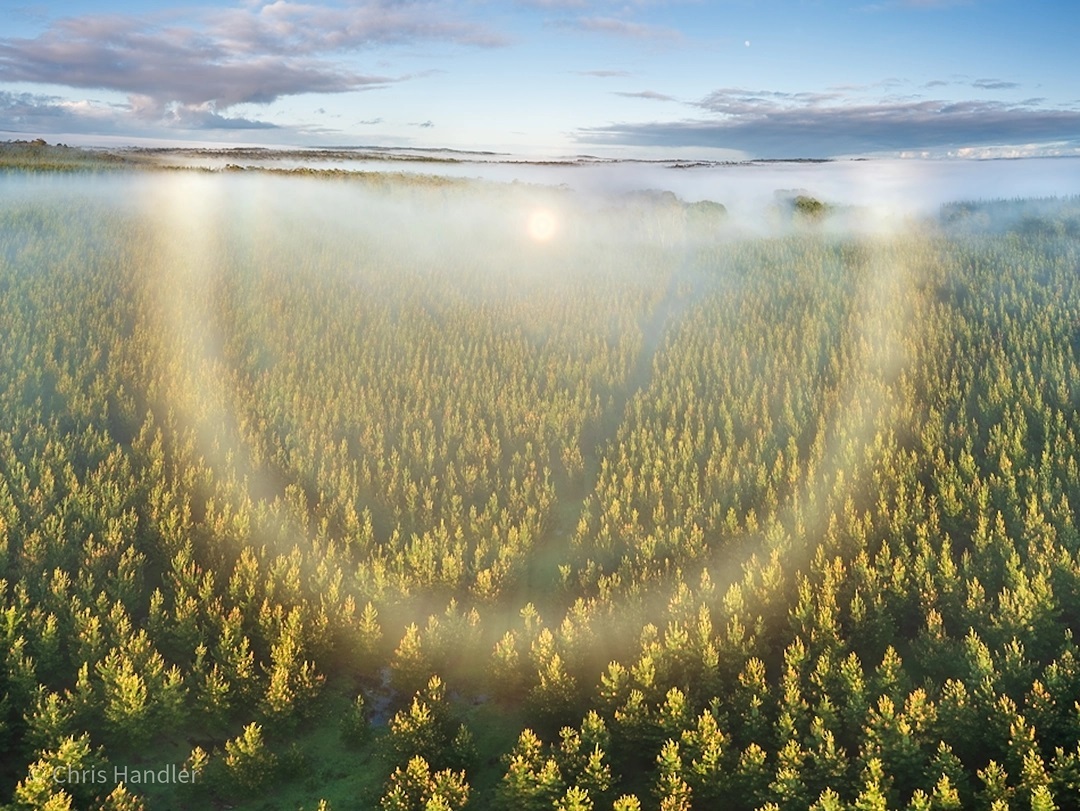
763,127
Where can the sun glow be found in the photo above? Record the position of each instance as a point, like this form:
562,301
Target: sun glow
542,225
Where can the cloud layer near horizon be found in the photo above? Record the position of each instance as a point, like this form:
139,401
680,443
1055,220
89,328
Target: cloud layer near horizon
814,125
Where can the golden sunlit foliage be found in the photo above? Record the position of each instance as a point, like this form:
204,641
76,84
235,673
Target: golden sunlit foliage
703,521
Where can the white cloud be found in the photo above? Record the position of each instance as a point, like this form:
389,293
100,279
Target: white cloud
190,69
616,26
651,95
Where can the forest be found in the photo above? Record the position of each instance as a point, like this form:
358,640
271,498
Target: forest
358,492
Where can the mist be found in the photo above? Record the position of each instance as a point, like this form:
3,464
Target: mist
895,189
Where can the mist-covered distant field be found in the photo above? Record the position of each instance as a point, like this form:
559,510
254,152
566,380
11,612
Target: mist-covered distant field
891,187
621,486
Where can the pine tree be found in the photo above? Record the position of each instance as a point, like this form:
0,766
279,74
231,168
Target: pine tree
595,777
827,763
62,776
196,763
752,700
752,776
1043,800
874,793
531,782
707,748
127,708
507,678
293,682
920,801
945,796
416,788
946,764
555,694
414,732
248,761
1065,774
213,695
409,667
427,728
789,786
236,658
829,800
463,752
594,731
614,687
995,784
671,789
355,727
575,799
636,727
370,637
50,721
675,715
120,799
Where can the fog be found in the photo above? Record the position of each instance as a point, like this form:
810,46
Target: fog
899,188
597,199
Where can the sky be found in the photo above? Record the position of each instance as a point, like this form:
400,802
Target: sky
709,79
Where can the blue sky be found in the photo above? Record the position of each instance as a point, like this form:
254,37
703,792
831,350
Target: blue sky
645,78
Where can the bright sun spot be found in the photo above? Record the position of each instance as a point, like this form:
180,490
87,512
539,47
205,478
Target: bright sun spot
541,225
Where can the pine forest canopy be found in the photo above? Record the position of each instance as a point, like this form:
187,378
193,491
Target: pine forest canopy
369,492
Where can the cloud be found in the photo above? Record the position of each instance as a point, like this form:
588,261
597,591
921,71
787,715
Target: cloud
621,28
288,27
38,113
993,84
620,5
813,125
736,101
29,111
253,53
208,119
889,5
554,4
604,74
645,94
33,112
933,3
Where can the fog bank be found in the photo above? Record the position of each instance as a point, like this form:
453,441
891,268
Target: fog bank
899,187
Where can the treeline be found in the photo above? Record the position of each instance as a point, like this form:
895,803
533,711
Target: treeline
623,520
